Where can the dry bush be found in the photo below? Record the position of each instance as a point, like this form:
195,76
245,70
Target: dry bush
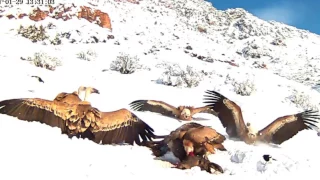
88,55
126,64
303,100
33,33
244,86
174,75
43,60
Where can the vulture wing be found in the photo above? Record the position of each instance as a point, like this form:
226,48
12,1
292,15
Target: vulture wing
120,126
204,109
154,106
70,98
228,112
34,109
81,120
284,128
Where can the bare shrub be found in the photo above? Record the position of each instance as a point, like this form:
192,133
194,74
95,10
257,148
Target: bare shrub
125,64
33,32
174,75
43,60
88,55
303,100
243,87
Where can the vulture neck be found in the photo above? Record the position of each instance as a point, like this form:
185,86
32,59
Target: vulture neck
191,153
84,95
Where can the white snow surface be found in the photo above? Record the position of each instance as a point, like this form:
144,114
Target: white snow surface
30,150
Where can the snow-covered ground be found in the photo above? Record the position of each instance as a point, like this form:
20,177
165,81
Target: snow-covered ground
235,57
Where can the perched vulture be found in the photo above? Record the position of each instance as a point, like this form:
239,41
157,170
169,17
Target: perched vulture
181,112
81,119
189,139
204,164
278,131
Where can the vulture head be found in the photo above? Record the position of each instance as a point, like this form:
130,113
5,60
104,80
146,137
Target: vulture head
92,90
185,112
87,91
188,147
252,132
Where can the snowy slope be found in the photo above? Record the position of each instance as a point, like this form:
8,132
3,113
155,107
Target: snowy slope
157,33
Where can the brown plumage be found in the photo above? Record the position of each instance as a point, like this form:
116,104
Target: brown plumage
204,164
189,139
181,112
278,131
81,119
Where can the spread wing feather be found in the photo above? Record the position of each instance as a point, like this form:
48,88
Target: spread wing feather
32,110
229,113
205,109
284,128
127,130
80,120
154,106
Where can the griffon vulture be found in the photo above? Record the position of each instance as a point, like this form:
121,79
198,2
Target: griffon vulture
181,112
278,131
189,139
81,119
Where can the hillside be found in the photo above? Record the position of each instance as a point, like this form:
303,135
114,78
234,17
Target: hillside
169,50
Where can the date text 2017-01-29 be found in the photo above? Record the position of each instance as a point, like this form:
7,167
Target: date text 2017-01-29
28,2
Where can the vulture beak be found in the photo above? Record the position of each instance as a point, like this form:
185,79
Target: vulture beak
94,90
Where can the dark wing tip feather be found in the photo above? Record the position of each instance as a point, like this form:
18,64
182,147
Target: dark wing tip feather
310,117
212,97
145,131
216,167
136,105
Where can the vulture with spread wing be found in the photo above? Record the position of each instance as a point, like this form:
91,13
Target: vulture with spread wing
181,112
278,131
79,118
189,139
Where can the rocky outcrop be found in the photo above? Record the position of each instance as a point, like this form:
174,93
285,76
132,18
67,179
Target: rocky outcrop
65,12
